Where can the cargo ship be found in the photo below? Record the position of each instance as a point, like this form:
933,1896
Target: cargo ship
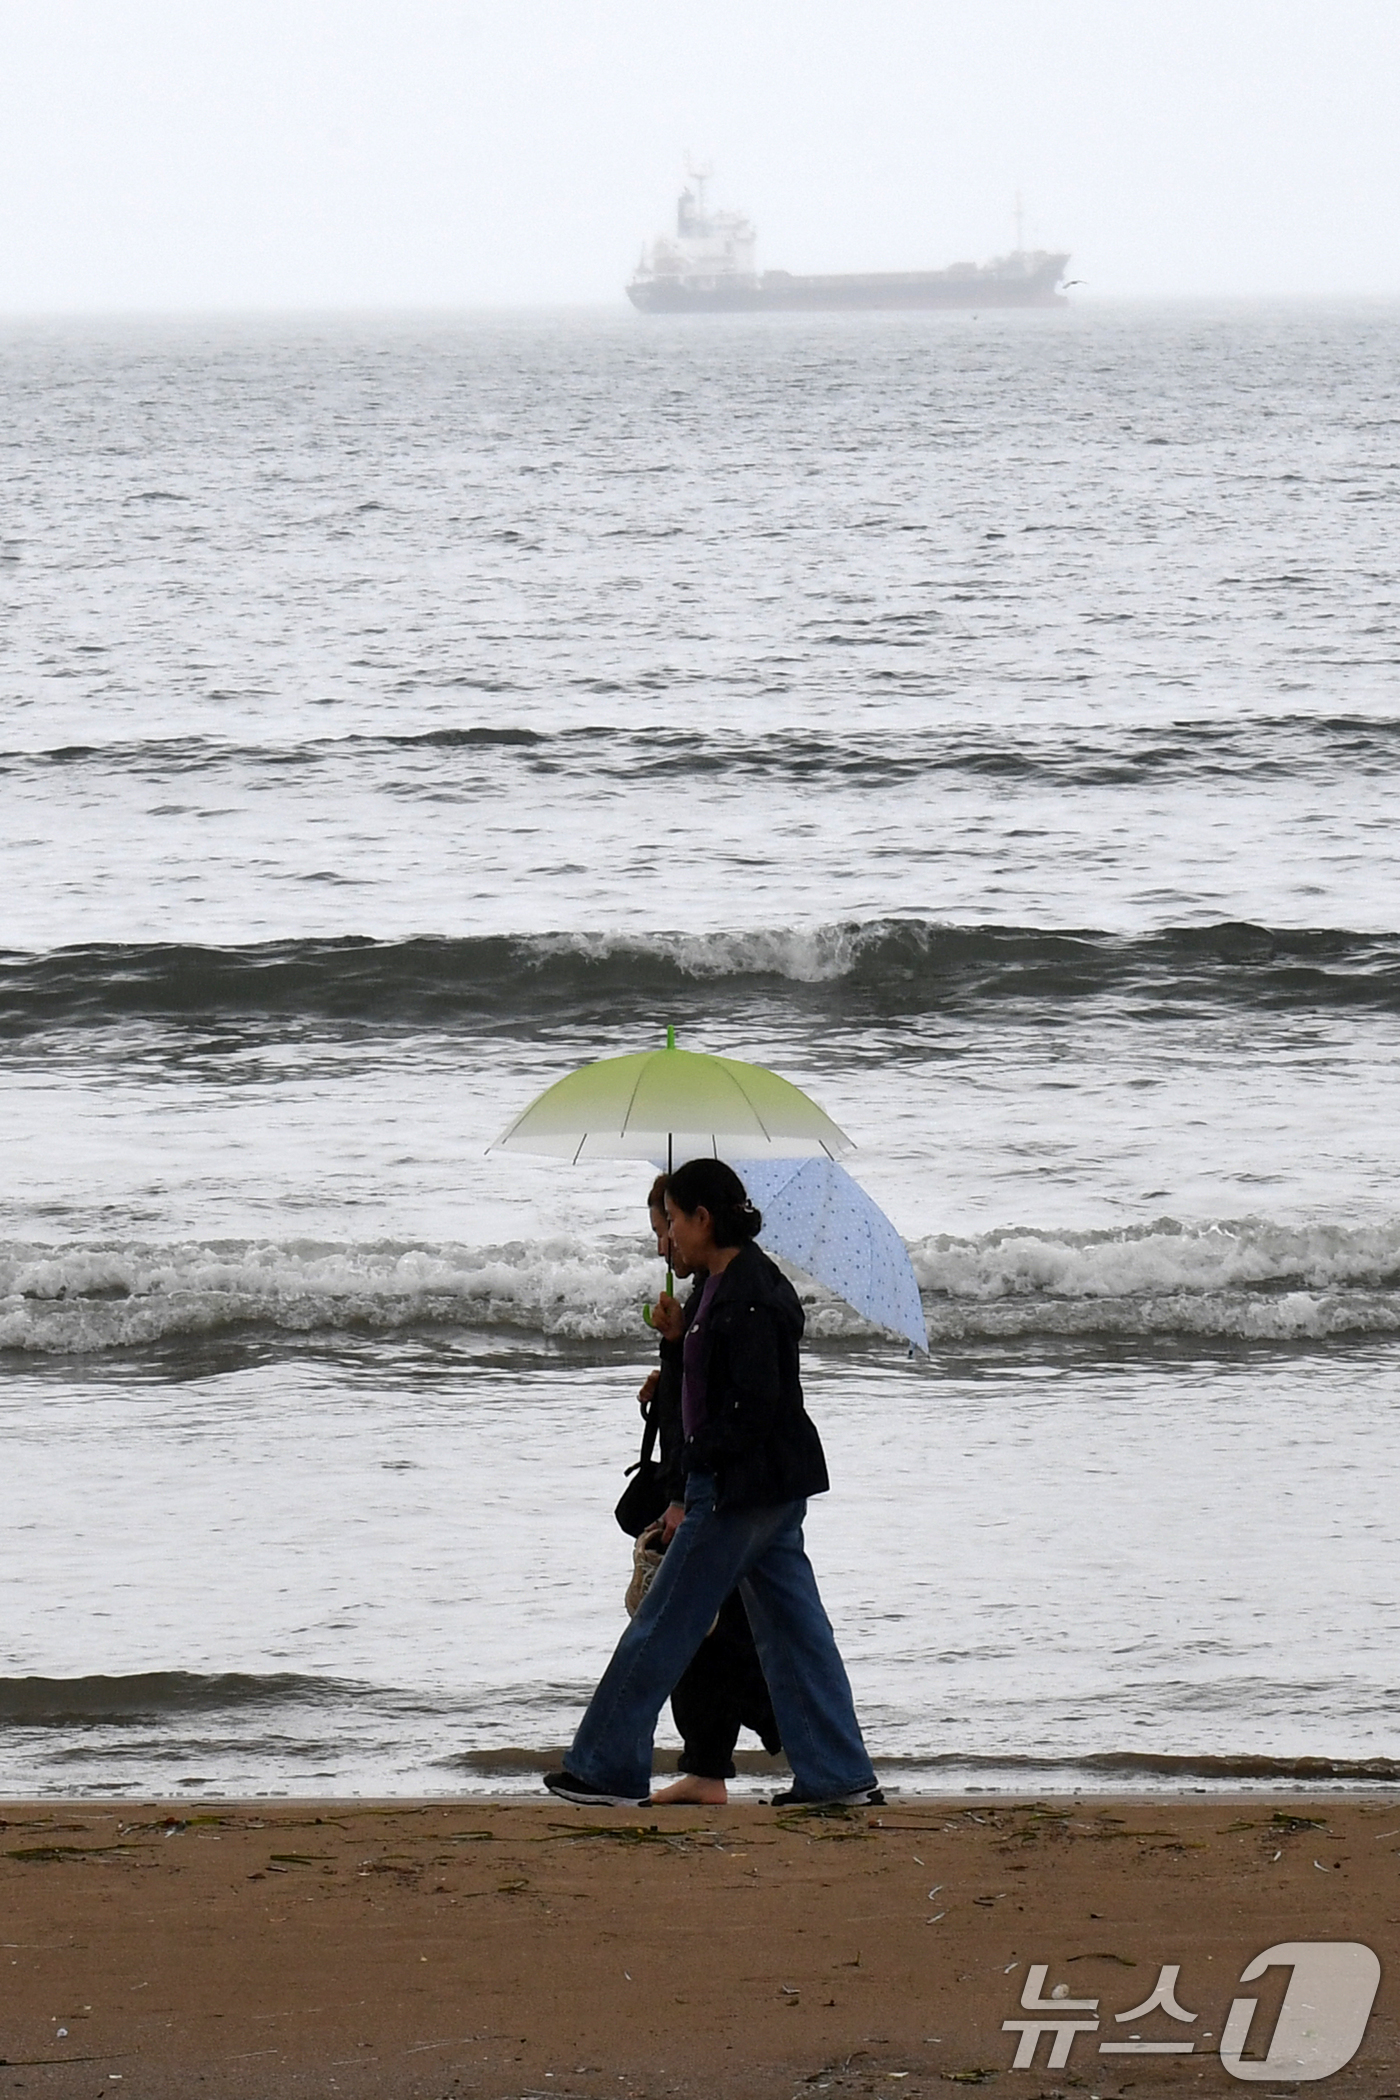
708,266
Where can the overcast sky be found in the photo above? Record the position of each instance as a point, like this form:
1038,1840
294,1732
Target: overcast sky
180,154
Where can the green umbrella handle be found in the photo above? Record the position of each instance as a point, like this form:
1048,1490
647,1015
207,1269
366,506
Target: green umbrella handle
670,1292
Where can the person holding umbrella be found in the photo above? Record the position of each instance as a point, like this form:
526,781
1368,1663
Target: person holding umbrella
721,1689
752,1457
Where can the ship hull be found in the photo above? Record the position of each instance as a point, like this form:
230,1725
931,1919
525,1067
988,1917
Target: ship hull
895,291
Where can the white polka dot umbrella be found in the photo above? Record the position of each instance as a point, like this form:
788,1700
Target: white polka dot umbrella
821,1220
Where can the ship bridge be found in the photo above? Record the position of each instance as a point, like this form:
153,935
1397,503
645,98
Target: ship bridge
710,250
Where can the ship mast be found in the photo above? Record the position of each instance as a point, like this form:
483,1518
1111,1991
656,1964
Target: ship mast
1020,226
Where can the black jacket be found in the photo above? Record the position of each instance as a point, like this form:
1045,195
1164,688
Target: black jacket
757,1437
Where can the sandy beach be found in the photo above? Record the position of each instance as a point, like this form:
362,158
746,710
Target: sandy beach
506,1948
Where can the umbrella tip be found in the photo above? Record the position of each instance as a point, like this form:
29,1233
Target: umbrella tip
670,1038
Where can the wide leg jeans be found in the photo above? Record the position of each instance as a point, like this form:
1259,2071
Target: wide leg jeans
762,1551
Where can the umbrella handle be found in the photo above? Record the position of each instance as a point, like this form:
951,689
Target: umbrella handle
670,1292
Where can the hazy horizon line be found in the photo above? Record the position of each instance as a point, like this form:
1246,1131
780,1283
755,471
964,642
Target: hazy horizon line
619,307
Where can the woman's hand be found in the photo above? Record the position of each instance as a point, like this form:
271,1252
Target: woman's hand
647,1392
668,1317
671,1518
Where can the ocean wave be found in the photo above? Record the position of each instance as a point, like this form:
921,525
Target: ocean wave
285,1718
86,1299
1072,755
923,1772
1246,1280
1164,1257
153,1695
169,757
858,969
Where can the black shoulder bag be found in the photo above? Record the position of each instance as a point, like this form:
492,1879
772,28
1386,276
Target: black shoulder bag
643,1498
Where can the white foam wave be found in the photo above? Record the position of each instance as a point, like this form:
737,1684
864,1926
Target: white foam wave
1249,1279
803,955
1163,1257
83,1299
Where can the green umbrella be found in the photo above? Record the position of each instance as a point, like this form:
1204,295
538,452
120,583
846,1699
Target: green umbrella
677,1105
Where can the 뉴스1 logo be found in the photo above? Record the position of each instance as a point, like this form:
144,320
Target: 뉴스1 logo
1319,2028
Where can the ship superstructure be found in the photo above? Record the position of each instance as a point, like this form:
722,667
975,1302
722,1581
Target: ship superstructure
709,266
710,250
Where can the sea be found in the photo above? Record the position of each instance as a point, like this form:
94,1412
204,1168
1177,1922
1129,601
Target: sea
989,721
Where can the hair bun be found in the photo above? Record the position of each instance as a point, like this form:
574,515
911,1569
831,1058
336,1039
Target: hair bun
710,1184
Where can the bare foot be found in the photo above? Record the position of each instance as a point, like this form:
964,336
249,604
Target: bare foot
705,1793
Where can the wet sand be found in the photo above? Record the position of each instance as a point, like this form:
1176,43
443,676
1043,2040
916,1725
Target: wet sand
504,1948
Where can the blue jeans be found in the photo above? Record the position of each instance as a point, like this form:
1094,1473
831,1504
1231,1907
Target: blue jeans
761,1550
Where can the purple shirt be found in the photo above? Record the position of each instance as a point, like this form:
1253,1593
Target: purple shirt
693,1410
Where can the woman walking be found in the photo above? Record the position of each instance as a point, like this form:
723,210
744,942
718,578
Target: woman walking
722,1688
752,1456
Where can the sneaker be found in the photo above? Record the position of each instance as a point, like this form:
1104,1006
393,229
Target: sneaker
568,1788
863,1797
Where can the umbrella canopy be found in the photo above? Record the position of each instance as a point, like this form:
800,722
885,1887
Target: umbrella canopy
817,1217
677,1105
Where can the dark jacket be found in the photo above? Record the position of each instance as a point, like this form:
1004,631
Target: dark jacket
757,1437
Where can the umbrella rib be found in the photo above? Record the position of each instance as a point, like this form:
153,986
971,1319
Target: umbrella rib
750,1104
631,1099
